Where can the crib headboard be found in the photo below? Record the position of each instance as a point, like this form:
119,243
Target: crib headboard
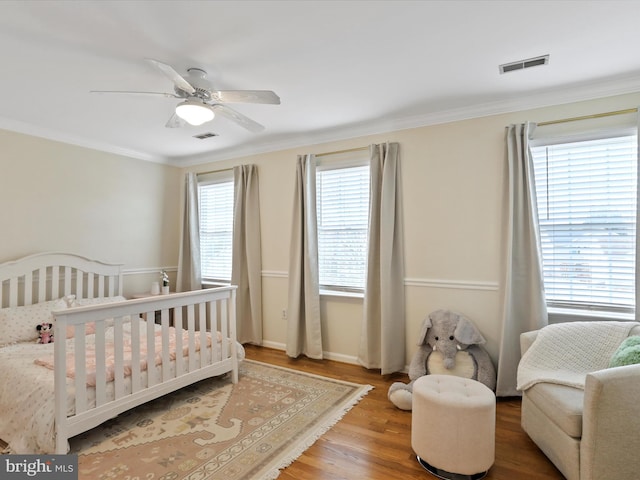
51,275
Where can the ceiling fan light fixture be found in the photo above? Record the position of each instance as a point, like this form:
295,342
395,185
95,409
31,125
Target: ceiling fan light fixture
194,112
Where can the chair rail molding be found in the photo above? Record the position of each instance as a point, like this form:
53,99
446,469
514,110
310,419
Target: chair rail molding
147,270
452,284
420,282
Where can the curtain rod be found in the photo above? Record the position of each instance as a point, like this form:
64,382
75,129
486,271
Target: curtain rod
588,117
214,171
336,152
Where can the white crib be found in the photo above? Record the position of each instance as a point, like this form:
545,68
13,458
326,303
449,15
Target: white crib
107,358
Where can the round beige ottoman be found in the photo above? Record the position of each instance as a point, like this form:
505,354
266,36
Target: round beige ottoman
453,426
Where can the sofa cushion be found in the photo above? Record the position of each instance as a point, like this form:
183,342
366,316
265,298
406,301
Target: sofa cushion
562,404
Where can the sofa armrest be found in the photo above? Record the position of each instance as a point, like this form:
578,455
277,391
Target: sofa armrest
610,424
526,339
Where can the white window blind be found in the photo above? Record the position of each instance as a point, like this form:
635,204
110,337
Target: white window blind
342,198
586,196
216,229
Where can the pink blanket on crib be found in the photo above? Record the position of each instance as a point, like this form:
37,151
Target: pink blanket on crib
90,354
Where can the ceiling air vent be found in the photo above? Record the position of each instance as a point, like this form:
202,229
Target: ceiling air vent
522,64
202,136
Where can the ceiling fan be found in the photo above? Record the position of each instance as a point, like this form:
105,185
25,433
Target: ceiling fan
201,101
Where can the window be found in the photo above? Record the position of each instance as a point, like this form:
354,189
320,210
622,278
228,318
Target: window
215,194
586,196
342,202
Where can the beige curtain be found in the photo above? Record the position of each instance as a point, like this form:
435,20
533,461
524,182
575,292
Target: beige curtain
304,335
189,276
246,268
525,307
382,342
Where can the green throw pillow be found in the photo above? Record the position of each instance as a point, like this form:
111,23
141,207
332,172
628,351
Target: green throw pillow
628,352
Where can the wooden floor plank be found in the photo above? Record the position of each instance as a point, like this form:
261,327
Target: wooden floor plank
373,440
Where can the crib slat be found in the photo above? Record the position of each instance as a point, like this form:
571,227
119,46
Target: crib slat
67,281
225,330
42,284
202,312
164,322
55,283
151,362
80,368
136,384
111,287
90,277
215,350
13,292
177,324
192,337
28,288
79,284
101,286
101,364
118,367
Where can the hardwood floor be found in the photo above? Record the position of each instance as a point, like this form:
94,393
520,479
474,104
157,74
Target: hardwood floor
373,440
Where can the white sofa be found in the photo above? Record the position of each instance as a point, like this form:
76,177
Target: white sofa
590,434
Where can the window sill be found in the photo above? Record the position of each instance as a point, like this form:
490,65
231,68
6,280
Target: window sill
558,315
340,293
211,283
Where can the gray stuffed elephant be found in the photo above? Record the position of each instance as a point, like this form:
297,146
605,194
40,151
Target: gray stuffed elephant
449,343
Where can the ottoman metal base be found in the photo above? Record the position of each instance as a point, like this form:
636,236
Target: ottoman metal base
448,475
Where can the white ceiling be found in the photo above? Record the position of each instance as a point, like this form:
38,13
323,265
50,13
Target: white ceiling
341,68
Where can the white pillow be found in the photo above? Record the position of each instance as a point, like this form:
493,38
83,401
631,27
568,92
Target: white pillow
18,324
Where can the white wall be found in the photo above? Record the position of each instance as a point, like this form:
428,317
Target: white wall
59,197
454,180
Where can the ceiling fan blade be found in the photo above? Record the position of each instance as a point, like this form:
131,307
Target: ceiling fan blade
175,77
246,96
237,117
146,94
175,122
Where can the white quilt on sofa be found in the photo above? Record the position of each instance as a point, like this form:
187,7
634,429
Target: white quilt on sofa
564,353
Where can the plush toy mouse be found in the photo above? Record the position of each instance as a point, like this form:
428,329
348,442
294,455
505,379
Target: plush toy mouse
449,344
46,332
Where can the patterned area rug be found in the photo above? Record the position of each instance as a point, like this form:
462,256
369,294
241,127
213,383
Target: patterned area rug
217,430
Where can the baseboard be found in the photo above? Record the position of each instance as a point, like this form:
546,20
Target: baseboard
336,357
274,345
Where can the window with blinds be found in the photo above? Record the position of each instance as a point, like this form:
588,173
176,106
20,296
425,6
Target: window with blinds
586,197
216,228
342,202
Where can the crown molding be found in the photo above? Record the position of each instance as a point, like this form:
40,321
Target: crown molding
561,96
573,93
57,136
